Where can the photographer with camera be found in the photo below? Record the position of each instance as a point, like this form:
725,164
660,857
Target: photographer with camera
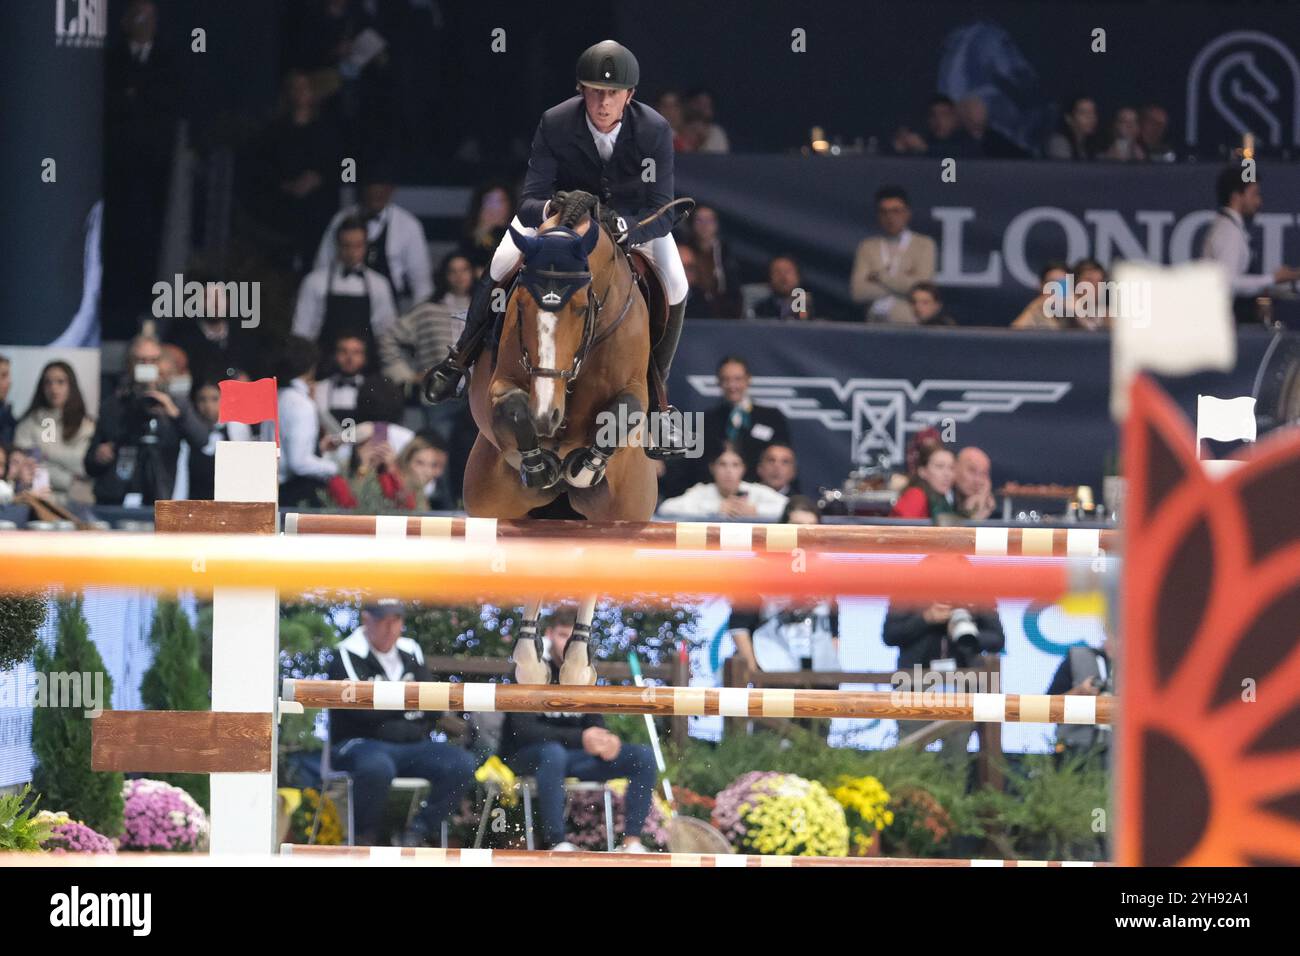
133,453
1085,670
943,636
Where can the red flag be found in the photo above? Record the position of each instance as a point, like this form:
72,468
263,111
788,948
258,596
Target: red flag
250,403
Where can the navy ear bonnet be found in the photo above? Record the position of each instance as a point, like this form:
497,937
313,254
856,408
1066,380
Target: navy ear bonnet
555,263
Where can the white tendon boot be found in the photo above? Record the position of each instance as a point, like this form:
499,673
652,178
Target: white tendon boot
577,667
529,666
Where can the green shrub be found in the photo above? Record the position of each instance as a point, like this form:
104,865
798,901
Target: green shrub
176,681
61,736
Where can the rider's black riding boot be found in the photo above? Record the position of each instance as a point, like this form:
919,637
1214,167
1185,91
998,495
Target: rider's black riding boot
441,381
669,432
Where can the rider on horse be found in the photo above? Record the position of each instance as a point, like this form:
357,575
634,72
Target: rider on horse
603,146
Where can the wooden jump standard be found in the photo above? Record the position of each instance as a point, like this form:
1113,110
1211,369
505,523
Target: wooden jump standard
699,701
420,856
728,536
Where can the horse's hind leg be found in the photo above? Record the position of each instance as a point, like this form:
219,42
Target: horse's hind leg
529,666
577,667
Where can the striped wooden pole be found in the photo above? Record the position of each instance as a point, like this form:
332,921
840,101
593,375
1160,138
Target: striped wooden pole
511,572
420,856
699,701
728,536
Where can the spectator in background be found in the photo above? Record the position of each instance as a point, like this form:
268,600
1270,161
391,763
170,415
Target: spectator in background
787,299
133,453
374,746
887,266
698,303
1153,126
973,484
982,139
779,469
702,133
1125,144
296,171
669,106
454,282
1092,306
19,473
6,486
737,421
7,421
141,103
1036,314
930,493
943,630
395,244
58,430
1084,671
337,394
927,305
727,495
347,296
217,348
553,746
382,480
304,471
491,211
1076,136
716,271
431,464
417,341
1227,242
946,138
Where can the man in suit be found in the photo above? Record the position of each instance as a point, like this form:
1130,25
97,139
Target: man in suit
736,419
600,145
886,267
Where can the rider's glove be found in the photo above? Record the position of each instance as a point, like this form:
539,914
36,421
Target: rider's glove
616,224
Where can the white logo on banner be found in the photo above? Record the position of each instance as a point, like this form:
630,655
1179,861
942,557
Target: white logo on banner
1252,82
80,23
882,413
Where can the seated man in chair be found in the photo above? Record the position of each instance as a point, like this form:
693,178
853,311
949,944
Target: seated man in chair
600,146
552,747
375,746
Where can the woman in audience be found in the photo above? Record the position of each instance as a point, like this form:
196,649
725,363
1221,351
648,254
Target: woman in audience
1037,315
58,430
493,208
1076,137
383,480
801,509
1092,306
929,494
726,496
454,281
1125,144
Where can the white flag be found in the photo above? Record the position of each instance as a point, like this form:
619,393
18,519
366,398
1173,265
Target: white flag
1225,419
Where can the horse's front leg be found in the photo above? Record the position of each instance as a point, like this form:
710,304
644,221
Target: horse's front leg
513,425
578,667
585,467
529,666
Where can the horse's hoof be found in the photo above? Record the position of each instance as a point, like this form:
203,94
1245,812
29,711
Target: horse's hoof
540,468
584,468
529,666
577,668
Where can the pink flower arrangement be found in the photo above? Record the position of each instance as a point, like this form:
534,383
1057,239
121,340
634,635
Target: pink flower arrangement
73,836
159,816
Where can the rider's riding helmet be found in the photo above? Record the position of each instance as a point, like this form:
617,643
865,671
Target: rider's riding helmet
608,66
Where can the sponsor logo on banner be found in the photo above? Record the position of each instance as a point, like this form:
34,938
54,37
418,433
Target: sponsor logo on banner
1245,81
881,414
80,23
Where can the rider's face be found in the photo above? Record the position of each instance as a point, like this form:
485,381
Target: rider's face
605,107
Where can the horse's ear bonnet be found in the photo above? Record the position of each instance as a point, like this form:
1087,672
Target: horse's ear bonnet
555,264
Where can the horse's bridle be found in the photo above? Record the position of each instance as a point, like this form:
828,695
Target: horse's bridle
595,305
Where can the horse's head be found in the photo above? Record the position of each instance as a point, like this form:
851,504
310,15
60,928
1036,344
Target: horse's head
555,311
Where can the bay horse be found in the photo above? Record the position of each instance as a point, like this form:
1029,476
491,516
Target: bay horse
569,373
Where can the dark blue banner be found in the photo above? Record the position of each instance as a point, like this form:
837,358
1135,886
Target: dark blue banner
995,226
1037,402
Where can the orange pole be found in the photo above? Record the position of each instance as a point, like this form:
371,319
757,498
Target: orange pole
509,571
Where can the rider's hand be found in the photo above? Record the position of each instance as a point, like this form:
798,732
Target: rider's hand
616,224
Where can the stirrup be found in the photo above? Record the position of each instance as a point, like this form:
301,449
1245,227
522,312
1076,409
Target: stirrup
441,383
673,447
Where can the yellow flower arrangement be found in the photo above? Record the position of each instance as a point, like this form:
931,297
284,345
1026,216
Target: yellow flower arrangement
866,808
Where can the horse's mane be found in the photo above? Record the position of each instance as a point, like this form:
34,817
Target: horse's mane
574,210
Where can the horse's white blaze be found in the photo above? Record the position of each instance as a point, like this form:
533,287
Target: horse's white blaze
544,386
